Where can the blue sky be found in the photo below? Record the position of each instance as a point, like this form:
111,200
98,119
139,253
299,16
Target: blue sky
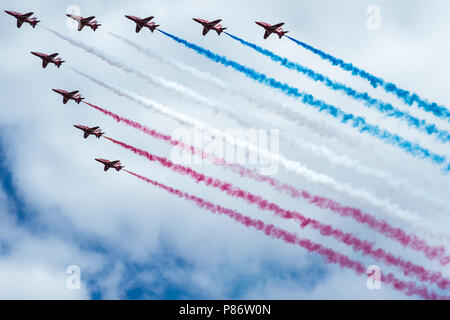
131,241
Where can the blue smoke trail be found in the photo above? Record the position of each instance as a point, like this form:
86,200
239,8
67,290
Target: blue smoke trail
408,97
358,123
385,108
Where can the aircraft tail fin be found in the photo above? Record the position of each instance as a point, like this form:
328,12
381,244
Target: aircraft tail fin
59,63
154,27
95,25
78,99
282,33
34,22
220,30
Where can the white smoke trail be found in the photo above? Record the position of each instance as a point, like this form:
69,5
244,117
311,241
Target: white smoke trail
292,166
321,127
172,63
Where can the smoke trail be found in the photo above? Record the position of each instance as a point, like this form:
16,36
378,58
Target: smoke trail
320,127
172,63
381,106
157,81
331,256
291,166
397,234
357,122
408,97
242,119
366,247
247,121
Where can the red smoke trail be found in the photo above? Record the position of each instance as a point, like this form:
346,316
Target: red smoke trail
331,256
381,226
156,134
367,248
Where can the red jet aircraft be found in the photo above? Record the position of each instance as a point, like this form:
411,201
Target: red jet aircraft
110,164
46,59
95,131
82,22
69,95
143,23
210,25
21,18
272,29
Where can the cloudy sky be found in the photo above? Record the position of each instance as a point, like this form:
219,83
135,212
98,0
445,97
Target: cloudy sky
132,241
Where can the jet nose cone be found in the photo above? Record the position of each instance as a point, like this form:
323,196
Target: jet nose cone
56,90
129,17
8,12
35,53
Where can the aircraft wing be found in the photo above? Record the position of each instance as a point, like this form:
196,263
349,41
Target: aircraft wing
106,168
54,55
86,135
27,15
80,26
138,28
266,34
74,92
19,23
205,30
44,63
115,162
65,100
147,19
88,19
213,23
276,26
94,128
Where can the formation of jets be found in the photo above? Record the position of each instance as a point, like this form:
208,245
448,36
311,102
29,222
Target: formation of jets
82,22
143,23
147,23
140,23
